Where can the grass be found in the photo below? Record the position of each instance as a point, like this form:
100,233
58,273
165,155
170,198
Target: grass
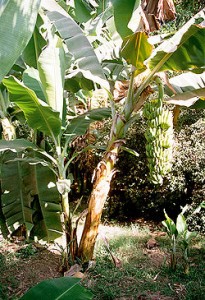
144,273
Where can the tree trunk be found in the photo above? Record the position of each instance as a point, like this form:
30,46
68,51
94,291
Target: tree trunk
101,186
105,170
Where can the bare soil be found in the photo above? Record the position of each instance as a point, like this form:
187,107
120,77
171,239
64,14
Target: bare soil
21,269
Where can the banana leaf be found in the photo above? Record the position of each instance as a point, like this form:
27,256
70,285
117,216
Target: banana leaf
17,183
34,47
58,288
77,43
17,19
38,114
80,124
115,70
184,51
80,11
123,11
52,67
136,49
32,80
17,145
29,191
49,201
189,89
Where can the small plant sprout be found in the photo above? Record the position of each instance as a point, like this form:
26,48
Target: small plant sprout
185,236
172,232
179,235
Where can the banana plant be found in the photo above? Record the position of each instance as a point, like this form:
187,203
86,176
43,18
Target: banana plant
185,237
172,232
180,236
39,93
34,93
175,54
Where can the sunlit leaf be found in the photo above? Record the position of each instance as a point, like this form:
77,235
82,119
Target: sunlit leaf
185,50
77,43
17,19
38,114
123,11
136,49
189,88
181,224
52,66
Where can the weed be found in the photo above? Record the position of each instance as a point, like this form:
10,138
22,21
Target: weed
26,251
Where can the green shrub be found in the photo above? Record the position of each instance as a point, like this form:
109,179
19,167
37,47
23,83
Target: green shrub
132,195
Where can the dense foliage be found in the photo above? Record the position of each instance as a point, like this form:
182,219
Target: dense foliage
132,194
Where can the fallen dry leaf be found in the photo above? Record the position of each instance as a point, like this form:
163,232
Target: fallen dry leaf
79,275
73,270
152,243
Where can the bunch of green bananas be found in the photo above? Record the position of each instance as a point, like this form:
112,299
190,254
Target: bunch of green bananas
159,140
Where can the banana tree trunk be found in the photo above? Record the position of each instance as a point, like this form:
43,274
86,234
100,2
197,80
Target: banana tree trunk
101,185
102,178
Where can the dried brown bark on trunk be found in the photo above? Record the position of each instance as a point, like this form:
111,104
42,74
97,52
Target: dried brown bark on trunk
156,12
102,177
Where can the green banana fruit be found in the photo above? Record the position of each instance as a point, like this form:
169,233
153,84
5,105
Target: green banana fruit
159,140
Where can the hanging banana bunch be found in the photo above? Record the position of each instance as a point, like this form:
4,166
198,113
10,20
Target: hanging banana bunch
159,138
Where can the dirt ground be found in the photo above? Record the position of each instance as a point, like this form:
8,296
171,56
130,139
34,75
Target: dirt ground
23,267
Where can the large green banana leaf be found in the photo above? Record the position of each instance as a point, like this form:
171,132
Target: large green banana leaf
34,47
17,19
136,49
17,186
85,59
38,114
17,145
49,201
29,190
185,50
32,80
80,12
63,288
189,88
52,67
77,83
123,11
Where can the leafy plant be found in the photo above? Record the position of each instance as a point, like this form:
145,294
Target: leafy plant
171,229
39,93
180,235
26,251
143,64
